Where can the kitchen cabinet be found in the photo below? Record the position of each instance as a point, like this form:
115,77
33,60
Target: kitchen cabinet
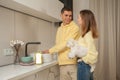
45,71
43,75
51,73
45,9
31,77
50,7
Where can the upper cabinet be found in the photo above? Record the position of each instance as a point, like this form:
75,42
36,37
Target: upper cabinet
45,9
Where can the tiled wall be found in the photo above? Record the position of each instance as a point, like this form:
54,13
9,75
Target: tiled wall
16,25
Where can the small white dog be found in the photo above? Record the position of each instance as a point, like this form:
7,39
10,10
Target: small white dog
77,51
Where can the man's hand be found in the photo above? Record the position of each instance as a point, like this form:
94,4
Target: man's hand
45,51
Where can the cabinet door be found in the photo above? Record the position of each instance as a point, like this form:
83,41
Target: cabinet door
51,73
54,73
42,75
31,77
44,7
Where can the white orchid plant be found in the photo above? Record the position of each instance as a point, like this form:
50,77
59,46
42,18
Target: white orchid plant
16,42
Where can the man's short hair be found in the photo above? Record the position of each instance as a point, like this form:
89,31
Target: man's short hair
65,9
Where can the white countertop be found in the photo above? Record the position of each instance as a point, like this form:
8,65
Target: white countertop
15,72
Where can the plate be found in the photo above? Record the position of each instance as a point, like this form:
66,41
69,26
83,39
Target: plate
27,64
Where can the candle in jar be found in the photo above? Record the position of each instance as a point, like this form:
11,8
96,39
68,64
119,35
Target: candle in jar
38,57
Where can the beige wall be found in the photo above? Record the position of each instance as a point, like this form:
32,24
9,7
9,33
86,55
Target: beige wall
79,5
15,25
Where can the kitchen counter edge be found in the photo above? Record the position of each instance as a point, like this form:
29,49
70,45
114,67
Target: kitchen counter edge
15,72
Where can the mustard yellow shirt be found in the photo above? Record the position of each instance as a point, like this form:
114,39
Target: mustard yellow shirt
65,33
89,42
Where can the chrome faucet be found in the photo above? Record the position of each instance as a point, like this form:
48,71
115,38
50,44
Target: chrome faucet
26,54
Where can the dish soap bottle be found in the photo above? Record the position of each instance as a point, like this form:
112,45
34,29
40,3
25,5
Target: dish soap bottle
38,58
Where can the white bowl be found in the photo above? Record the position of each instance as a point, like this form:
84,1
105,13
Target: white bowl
47,57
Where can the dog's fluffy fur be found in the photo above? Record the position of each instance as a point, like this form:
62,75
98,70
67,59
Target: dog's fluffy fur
77,51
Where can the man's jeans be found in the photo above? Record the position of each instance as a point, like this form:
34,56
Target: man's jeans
84,71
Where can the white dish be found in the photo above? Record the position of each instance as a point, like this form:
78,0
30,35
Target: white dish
47,58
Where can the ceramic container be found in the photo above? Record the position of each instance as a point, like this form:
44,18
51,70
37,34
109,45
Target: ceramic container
27,59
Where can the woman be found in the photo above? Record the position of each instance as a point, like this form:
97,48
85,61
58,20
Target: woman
88,27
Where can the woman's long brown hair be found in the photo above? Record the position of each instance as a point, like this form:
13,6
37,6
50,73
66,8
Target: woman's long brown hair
89,23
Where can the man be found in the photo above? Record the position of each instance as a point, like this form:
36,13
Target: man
67,30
